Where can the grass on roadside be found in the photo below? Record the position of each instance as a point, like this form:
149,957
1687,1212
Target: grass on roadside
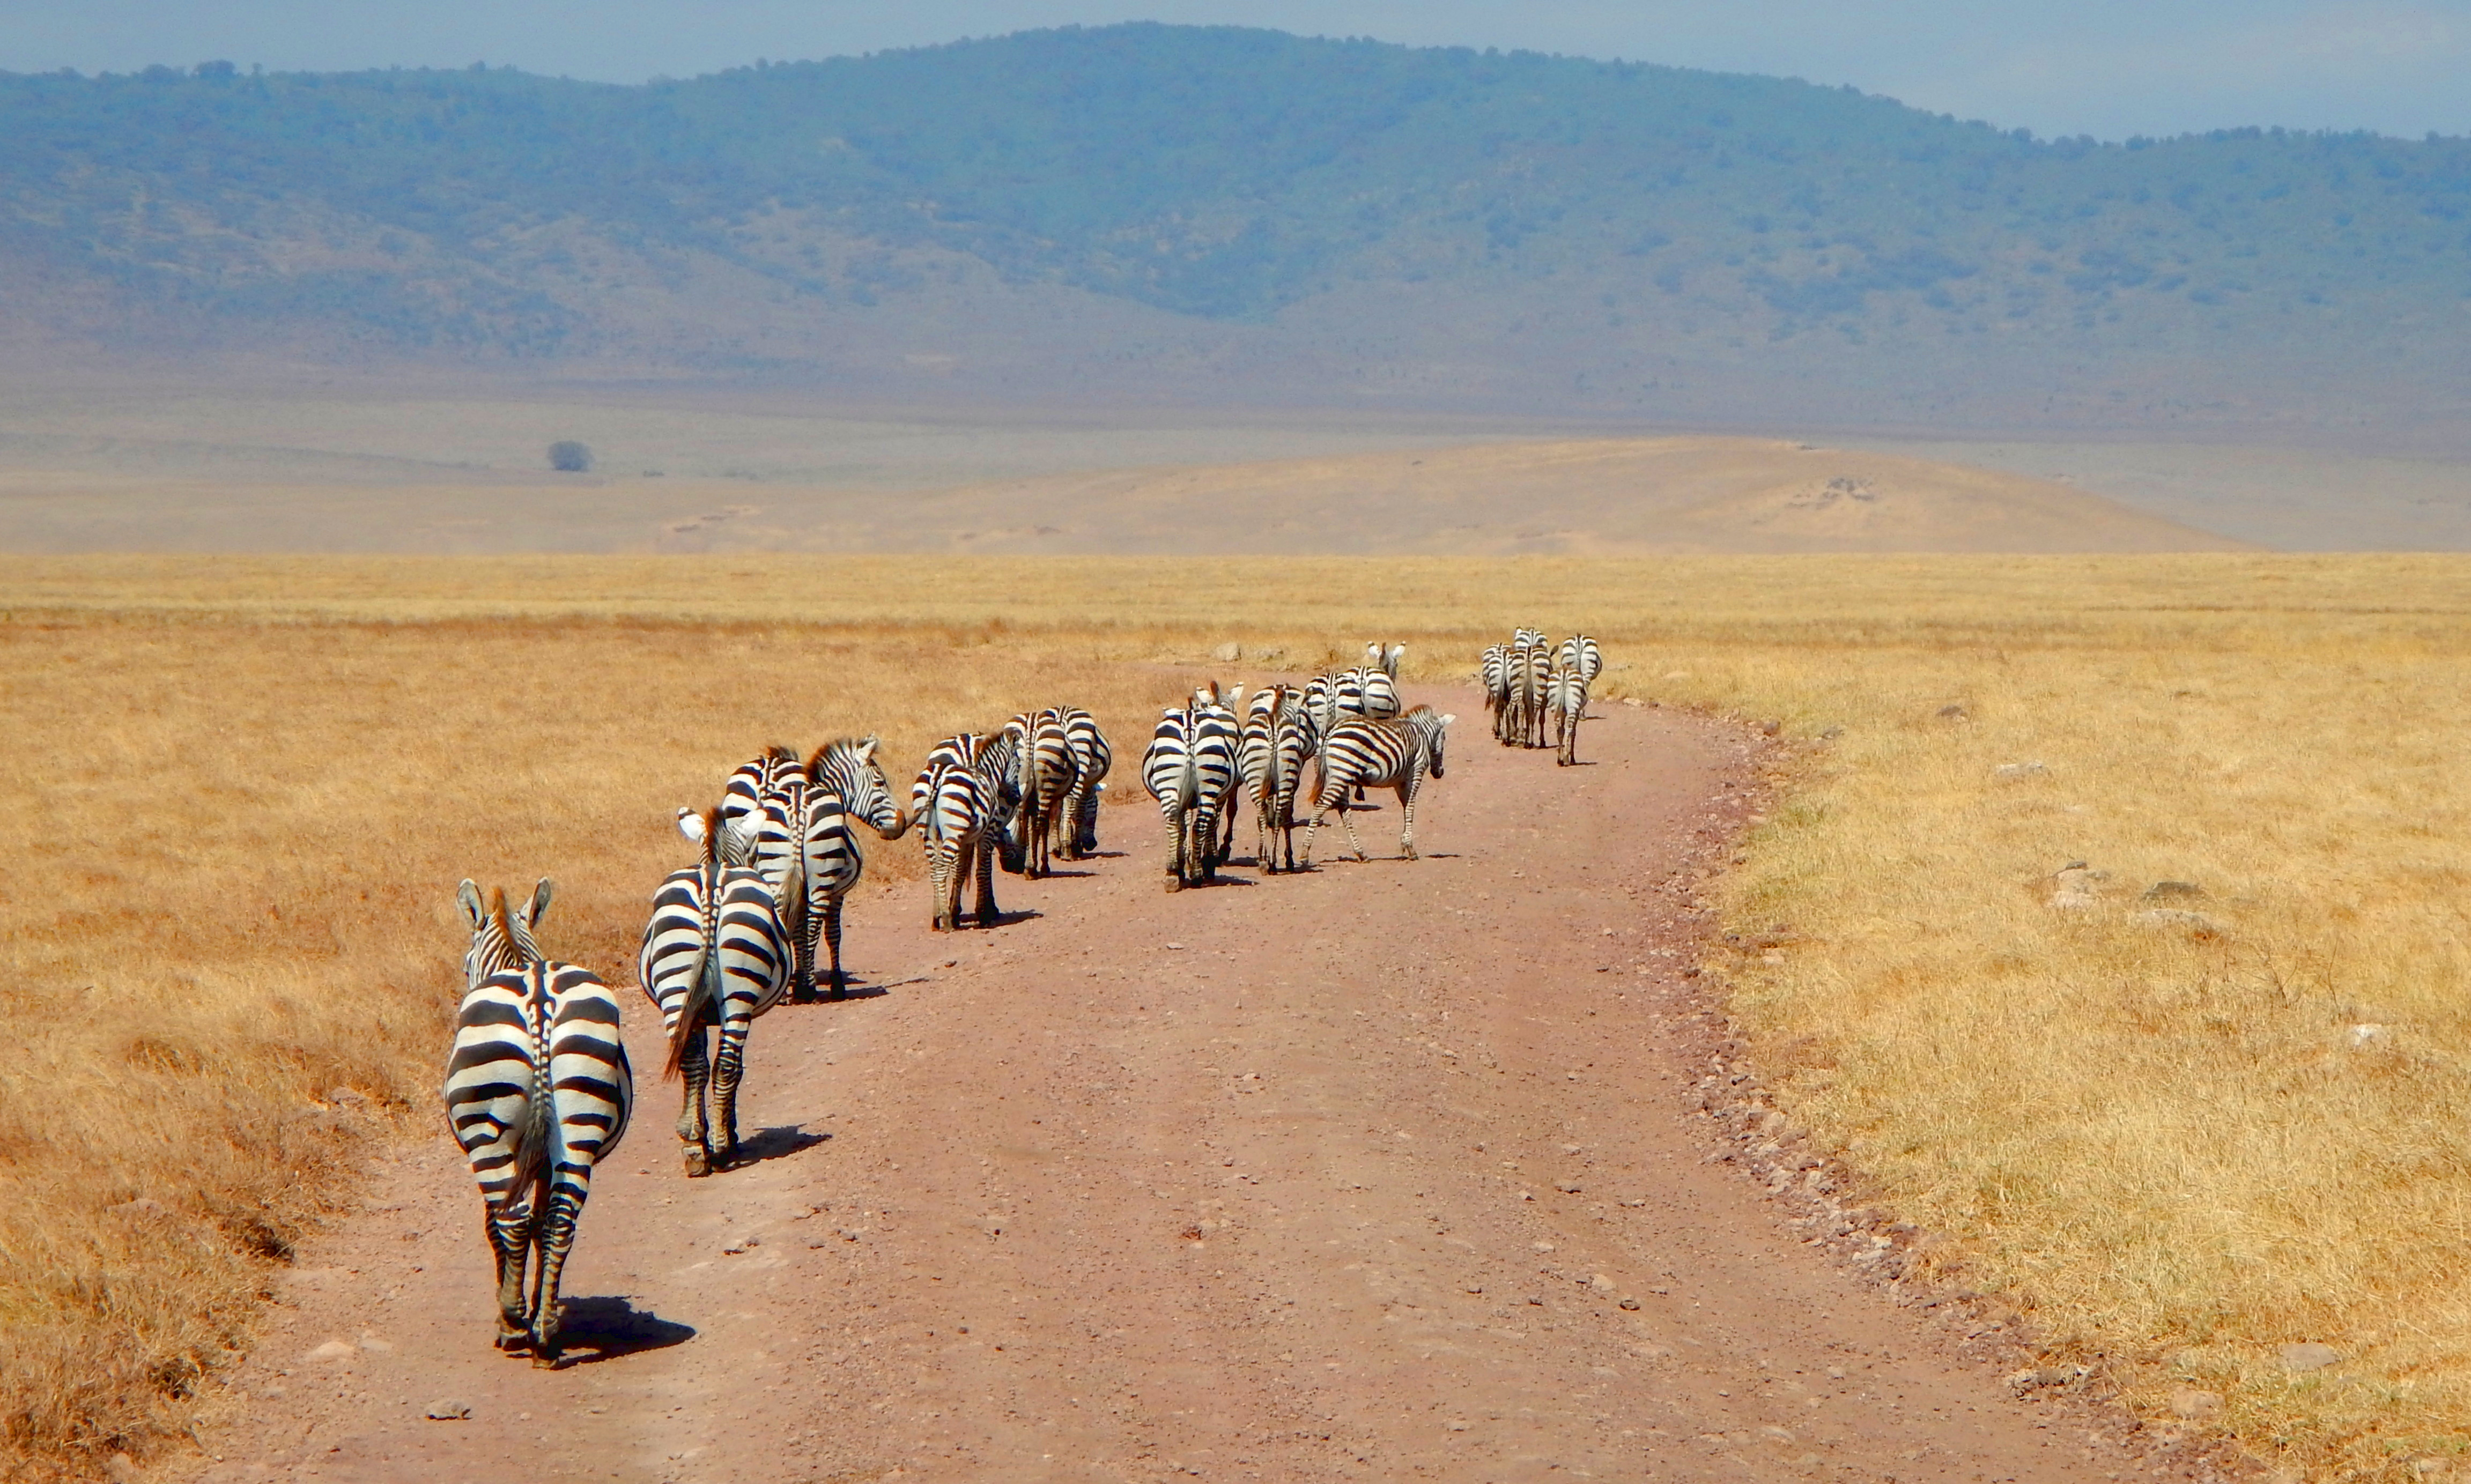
248,788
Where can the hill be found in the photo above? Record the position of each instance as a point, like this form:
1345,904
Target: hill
1180,214
1597,496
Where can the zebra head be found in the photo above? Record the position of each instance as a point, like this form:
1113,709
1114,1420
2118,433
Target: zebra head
850,769
501,939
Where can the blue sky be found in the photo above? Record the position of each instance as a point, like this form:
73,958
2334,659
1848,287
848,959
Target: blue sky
2109,68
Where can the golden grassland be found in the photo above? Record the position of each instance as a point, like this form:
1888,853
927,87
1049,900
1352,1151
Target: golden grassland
249,786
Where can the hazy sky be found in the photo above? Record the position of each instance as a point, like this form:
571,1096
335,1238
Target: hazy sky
2105,68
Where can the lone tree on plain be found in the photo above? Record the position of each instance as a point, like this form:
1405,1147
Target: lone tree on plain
568,457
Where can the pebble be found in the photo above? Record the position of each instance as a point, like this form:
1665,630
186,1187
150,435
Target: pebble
1543,1246
1629,1304
1600,1282
2173,917
2010,772
2176,891
2365,1035
2309,1355
1228,654
333,1350
1954,713
448,1411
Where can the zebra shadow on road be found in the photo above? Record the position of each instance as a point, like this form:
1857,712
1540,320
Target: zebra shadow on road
594,1329
773,1143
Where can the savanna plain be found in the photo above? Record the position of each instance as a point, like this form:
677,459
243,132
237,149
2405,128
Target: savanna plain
2107,920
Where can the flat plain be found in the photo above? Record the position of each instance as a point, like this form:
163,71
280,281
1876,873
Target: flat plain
2177,1127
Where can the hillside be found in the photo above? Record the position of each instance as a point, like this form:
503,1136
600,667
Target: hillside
1180,214
1585,498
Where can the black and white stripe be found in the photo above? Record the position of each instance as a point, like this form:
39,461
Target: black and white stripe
1277,740
964,820
1045,770
715,954
1396,752
1565,696
1528,667
1092,758
1189,769
1578,654
844,785
537,1089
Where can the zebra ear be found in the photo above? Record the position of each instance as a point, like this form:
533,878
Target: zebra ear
469,897
867,750
1447,718
691,824
539,903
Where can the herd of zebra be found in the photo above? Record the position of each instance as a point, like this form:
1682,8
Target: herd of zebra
1525,682
538,1088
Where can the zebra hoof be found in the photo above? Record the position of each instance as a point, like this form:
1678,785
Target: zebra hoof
513,1341
839,992
698,1163
546,1360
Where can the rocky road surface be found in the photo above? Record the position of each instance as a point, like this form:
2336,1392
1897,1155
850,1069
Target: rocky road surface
1398,1169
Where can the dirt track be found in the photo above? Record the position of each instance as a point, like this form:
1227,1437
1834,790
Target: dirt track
1392,1170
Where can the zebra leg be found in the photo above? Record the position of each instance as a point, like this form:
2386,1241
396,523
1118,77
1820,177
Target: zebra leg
693,1132
831,915
939,876
1347,819
1407,830
728,1066
509,1232
556,1240
802,987
988,911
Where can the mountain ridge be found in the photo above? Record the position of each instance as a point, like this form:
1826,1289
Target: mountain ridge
1147,211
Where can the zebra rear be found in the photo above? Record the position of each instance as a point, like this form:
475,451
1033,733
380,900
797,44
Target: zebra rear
538,1091
1565,696
964,820
844,787
1092,758
1276,741
715,954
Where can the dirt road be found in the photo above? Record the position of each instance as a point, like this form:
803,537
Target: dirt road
1393,1170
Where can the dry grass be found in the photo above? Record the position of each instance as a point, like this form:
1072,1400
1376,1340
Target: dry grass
248,788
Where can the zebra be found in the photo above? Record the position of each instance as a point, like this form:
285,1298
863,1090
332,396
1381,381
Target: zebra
1276,738
1385,660
715,953
742,796
843,782
1396,752
1565,696
1091,757
537,1091
1494,670
1047,771
1221,712
1189,769
1579,652
764,826
964,820
1527,638
1528,667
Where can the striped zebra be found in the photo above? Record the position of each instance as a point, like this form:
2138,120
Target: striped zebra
1578,654
1046,770
965,818
1565,696
715,953
1528,667
843,783
1385,660
1527,638
742,796
1189,769
1495,671
1276,738
763,826
1221,712
537,1089
1091,757
1396,752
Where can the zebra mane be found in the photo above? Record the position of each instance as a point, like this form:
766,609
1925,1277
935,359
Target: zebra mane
709,841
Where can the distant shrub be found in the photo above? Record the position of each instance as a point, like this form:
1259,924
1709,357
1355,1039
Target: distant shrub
568,457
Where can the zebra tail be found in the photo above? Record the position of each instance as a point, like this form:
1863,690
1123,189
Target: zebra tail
532,1136
705,986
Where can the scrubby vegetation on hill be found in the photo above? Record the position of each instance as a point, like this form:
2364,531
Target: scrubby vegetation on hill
1224,176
